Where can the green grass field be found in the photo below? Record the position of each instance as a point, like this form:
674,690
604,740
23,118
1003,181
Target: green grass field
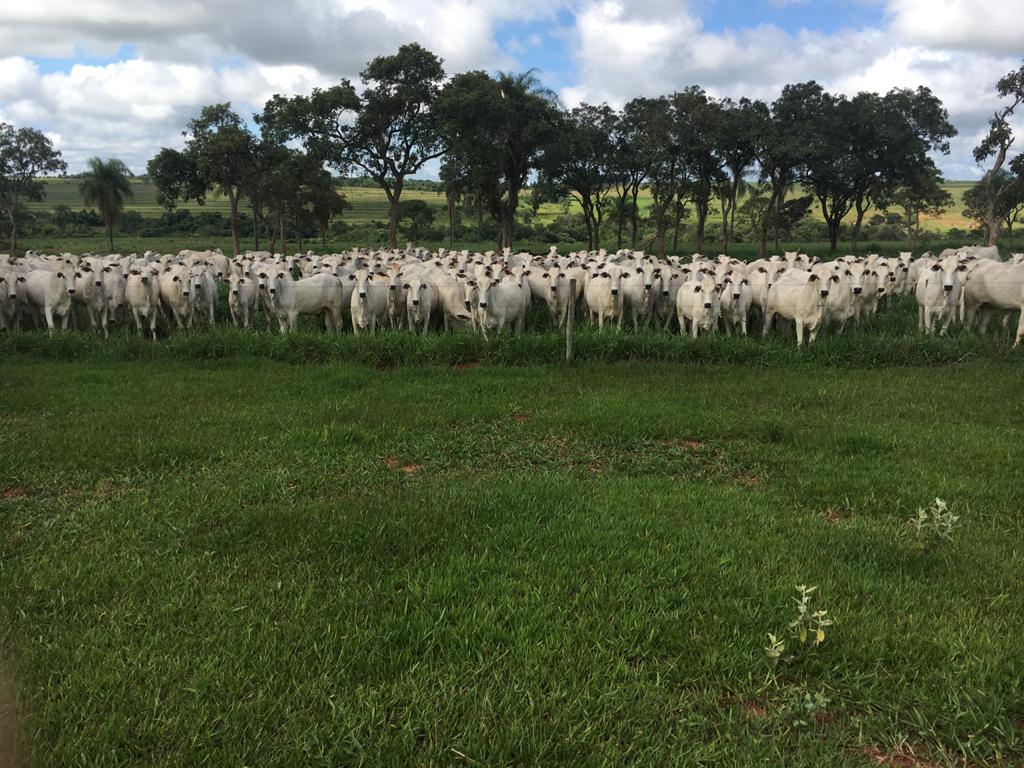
242,549
371,205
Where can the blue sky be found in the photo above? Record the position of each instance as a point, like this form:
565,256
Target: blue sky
107,78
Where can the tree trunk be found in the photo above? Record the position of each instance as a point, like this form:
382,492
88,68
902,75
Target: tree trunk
620,223
394,199
110,236
280,227
298,232
255,228
233,200
855,233
634,214
833,233
451,222
702,218
14,228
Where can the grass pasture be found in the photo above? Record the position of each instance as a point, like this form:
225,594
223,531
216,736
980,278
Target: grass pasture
370,204
238,549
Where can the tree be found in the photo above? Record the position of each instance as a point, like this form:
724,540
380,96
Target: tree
61,217
498,129
175,177
389,131
739,129
1009,198
580,161
632,163
106,186
920,194
997,144
780,153
697,121
419,217
222,148
325,202
218,154
25,155
827,165
890,138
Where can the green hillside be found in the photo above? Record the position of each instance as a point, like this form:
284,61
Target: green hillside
369,204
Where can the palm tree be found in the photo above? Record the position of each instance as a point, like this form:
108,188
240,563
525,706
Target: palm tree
106,186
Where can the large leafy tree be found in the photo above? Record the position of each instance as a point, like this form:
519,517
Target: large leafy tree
780,153
25,155
106,185
827,166
890,139
580,161
920,194
498,128
1009,196
218,155
389,131
634,155
996,145
697,123
740,128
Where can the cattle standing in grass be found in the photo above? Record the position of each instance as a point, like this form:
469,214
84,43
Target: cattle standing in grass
51,293
799,296
142,292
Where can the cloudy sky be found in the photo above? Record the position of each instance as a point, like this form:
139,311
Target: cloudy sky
110,78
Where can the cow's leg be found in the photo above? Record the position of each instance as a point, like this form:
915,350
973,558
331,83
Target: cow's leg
799,332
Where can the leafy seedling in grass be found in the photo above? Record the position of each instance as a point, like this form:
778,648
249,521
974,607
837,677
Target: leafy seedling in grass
803,708
809,624
933,525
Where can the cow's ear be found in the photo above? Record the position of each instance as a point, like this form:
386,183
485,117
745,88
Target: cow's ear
351,277
471,282
60,275
405,286
744,282
813,278
78,274
605,274
962,268
762,269
936,267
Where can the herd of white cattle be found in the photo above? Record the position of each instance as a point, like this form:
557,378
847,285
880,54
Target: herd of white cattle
488,292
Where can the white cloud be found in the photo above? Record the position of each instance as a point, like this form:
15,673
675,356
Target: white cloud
622,51
986,26
197,52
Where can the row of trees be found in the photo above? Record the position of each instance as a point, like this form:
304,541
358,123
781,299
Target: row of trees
498,135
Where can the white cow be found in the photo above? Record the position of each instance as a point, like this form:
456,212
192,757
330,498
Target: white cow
142,292
319,294
698,303
938,294
89,293
799,296
50,292
175,293
736,301
420,299
603,296
242,293
369,303
994,285
501,303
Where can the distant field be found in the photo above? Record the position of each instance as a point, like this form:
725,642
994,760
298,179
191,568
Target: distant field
371,205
